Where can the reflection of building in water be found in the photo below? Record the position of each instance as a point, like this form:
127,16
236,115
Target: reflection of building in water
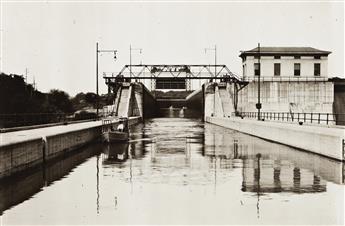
266,176
229,145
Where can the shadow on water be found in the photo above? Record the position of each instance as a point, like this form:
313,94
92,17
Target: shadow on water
15,190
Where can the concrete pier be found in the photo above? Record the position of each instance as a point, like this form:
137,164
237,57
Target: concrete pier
21,150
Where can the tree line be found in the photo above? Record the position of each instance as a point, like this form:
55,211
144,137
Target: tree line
18,97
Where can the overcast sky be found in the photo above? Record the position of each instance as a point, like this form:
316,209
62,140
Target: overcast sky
57,41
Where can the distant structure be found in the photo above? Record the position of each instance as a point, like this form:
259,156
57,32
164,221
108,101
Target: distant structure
285,62
293,79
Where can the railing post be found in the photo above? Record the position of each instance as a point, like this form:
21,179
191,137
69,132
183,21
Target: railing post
319,119
311,117
305,114
298,117
327,119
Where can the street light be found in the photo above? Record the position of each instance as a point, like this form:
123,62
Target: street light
130,57
215,57
101,51
215,74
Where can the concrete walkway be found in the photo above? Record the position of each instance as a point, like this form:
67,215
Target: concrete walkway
322,140
18,136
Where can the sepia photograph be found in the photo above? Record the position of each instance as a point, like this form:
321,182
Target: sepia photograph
172,112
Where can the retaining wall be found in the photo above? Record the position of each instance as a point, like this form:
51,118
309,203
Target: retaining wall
18,156
285,96
320,140
58,143
15,157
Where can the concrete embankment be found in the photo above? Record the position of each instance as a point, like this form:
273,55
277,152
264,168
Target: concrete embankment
325,141
21,150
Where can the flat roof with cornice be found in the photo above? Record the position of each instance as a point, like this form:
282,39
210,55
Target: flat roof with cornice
285,51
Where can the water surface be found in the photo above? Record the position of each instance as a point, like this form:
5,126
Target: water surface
179,171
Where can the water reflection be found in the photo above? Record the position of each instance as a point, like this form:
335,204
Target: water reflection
269,167
16,189
183,112
201,171
115,153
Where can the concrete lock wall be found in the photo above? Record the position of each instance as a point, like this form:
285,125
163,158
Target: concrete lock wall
18,156
138,100
143,102
66,141
218,100
124,101
149,103
298,97
135,100
209,100
320,140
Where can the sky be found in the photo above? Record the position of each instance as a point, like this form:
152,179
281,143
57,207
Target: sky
56,41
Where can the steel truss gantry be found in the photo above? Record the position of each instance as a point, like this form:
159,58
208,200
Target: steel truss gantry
219,72
154,71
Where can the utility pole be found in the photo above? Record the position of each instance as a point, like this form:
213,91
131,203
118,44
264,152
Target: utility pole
97,78
258,105
97,52
215,58
130,58
215,74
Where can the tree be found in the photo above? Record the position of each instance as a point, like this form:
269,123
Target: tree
91,98
59,101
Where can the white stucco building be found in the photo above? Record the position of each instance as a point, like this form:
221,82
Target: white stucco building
285,62
292,79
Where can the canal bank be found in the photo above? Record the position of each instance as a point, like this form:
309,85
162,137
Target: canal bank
321,140
21,150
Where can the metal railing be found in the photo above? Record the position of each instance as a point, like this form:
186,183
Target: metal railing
311,117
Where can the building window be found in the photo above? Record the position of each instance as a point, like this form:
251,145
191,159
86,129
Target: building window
297,57
276,69
276,57
256,69
317,69
297,69
317,57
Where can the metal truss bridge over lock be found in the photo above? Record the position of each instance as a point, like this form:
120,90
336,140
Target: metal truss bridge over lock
172,76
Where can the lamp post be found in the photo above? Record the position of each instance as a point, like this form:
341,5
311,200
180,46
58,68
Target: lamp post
97,52
258,105
215,74
130,57
215,58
